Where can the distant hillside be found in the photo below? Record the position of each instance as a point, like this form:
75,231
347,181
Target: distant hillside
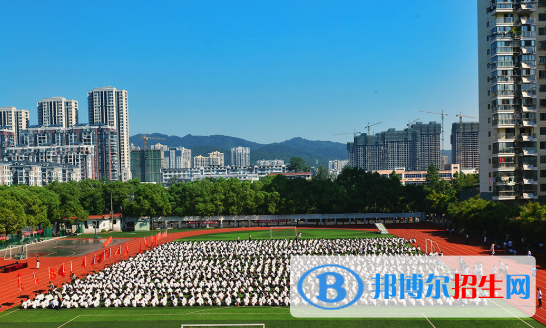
311,151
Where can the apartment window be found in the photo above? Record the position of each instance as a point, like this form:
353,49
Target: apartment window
488,106
488,52
489,133
542,102
490,161
543,187
489,120
489,146
541,45
543,116
542,74
542,59
542,17
489,188
542,159
542,145
543,131
488,92
543,173
487,24
542,88
542,31
488,65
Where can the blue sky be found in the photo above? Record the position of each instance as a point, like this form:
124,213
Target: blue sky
265,71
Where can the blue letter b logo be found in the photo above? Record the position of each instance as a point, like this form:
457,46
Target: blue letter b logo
336,285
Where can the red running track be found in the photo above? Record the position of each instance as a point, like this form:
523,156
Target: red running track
10,295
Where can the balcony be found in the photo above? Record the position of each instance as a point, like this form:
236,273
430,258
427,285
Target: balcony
527,195
527,167
526,34
504,195
501,93
504,166
506,64
503,78
525,7
502,21
527,50
526,137
504,123
501,7
502,50
504,151
529,64
527,122
529,181
527,109
503,108
500,37
525,78
506,137
527,151
505,181
525,21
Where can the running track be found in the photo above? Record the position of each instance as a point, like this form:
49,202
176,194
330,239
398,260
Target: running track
10,295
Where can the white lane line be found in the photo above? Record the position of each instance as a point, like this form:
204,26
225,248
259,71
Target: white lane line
512,314
428,320
68,321
8,313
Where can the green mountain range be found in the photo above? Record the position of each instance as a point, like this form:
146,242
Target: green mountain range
315,153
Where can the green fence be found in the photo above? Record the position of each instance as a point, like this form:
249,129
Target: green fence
17,239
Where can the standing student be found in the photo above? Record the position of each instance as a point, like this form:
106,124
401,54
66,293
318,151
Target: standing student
539,297
38,262
467,237
492,249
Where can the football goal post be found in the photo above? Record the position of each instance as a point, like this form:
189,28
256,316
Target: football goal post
220,325
431,246
283,232
16,252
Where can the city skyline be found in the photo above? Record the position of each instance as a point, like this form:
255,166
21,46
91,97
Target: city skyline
263,63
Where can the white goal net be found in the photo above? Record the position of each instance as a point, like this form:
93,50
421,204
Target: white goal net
431,246
16,252
219,325
283,232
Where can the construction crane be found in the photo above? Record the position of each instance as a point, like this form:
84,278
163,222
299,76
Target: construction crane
443,114
355,133
460,143
145,137
409,123
368,127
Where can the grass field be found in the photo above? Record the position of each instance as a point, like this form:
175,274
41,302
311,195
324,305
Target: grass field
174,317
270,316
130,234
305,234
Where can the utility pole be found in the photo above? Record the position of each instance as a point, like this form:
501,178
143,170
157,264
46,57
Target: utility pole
460,143
443,114
111,212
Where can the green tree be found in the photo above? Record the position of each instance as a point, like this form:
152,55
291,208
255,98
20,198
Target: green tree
297,164
433,178
12,214
149,200
322,173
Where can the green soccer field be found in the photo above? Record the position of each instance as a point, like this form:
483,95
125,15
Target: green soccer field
283,233
130,234
270,316
277,317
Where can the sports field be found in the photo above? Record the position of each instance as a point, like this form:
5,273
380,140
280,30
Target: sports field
174,317
288,233
270,316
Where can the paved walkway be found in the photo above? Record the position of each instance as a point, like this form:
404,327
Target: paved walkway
450,245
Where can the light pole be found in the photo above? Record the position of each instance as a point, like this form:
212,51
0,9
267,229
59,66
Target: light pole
96,224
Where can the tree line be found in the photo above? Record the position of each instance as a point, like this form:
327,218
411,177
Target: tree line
353,191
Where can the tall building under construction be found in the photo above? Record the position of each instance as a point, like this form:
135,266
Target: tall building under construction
465,144
413,148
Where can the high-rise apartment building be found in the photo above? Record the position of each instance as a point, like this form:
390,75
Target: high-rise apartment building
146,165
511,62
413,148
465,144
216,159
15,118
177,158
240,156
57,111
92,148
108,105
